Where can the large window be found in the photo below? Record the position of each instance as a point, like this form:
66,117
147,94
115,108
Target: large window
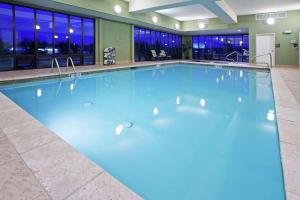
217,47
6,37
30,38
146,40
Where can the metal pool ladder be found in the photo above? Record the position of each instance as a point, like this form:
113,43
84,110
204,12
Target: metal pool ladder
72,63
267,54
54,61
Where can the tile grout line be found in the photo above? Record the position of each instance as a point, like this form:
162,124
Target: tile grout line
28,168
87,182
295,145
43,188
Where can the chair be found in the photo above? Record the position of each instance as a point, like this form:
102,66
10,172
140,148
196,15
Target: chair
154,55
164,55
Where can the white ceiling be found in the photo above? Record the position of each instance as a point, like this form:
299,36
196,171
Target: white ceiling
246,7
240,7
186,13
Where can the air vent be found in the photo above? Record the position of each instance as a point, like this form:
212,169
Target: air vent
275,15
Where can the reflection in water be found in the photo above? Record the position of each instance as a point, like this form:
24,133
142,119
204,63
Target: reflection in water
39,92
177,100
155,111
241,74
217,80
202,102
240,99
271,115
72,86
119,129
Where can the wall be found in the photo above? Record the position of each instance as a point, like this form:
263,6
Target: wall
285,55
107,6
114,34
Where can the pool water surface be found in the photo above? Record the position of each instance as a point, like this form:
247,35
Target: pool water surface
178,131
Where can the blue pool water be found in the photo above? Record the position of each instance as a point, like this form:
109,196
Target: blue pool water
169,132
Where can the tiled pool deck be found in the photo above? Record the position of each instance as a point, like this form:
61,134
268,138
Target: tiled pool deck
36,164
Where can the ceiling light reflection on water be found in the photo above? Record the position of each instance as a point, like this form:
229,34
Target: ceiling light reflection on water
186,127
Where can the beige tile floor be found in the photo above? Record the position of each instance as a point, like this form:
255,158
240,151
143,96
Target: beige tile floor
36,164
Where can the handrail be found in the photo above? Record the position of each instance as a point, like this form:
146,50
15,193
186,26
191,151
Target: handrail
72,63
57,65
234,52
267,54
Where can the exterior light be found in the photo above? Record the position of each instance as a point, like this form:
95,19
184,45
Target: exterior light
37,27
71,30
154,19
177,26
117,9
270,21
55,36
201,25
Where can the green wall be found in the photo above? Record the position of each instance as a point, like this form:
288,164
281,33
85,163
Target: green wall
107,6
114,34
285,55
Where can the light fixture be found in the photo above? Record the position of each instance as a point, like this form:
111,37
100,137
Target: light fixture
201,25
117,9
177,26
154,19
55,36
270,21
37,27
71,30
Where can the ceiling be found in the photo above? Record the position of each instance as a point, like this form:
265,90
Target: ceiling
240,7
187,13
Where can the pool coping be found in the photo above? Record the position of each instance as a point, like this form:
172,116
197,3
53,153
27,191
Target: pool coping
85,179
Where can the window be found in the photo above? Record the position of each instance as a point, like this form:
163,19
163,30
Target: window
88,41
61,34
146,40
217,47
75,35
31,37
25,42
6,37
43,28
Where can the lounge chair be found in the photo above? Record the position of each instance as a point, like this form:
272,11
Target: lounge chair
164,55
154,55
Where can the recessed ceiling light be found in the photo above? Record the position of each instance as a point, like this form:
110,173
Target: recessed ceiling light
201,25
118,9
270,21
177,26
154,19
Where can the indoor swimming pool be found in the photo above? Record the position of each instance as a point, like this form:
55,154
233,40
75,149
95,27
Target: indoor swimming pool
177,131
